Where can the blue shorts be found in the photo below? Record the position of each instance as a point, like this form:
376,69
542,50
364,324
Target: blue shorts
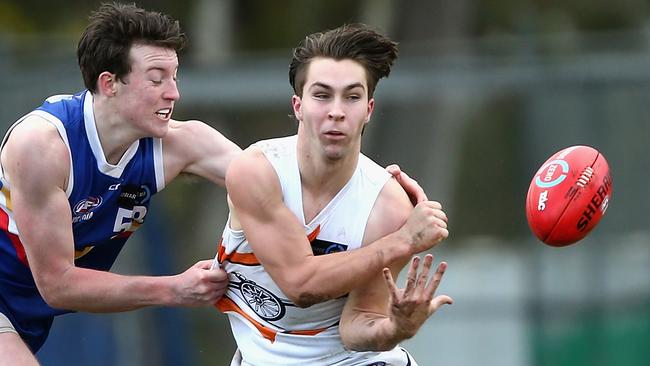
34,331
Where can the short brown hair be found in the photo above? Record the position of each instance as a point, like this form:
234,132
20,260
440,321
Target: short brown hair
375,52
113,29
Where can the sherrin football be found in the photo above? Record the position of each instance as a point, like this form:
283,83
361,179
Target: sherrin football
568,195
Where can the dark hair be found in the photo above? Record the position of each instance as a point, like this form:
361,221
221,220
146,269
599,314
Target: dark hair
351,41
113,29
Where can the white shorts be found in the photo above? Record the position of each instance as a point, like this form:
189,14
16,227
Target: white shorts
5,325
238,361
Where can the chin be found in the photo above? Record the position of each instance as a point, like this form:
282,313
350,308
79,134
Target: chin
334,154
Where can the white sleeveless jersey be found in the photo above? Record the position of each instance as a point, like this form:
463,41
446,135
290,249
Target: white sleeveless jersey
268,327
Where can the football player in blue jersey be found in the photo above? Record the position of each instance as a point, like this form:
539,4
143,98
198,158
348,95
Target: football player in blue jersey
77,175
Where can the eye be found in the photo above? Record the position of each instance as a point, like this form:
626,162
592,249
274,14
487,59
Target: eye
156,82
354,97
321,96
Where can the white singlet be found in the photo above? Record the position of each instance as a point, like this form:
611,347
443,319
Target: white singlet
268,327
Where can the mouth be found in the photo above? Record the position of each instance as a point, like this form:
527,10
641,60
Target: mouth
334,134
164,114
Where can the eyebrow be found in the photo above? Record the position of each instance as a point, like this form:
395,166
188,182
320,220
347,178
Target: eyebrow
325,86
156,68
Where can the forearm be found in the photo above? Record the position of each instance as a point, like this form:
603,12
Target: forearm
331,276
90,290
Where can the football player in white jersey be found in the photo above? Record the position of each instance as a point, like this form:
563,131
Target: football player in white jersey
334,75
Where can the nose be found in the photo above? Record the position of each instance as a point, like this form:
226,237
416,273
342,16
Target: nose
336,113
171,92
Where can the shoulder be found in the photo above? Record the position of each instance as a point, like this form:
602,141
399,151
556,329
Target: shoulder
34,133
251,166
252,184
389,213
36,146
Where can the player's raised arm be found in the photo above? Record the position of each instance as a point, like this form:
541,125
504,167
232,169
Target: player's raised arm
378,315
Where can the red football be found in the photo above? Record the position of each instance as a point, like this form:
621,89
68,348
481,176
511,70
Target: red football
568,195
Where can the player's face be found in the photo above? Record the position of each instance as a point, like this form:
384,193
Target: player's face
148,93
334,106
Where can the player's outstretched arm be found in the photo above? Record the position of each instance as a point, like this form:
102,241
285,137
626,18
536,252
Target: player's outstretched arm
37,163
280,242
194,147
365,326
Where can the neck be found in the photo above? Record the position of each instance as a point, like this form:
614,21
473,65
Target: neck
324,177
114,133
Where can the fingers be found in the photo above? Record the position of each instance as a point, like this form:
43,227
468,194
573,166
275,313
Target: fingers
431,204
204,264
394,170
415,192
421,283
436,209
439,301
423,277
411,277
392,287
413,189
216,275
435,281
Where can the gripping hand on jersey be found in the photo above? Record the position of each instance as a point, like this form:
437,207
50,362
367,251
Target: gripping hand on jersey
199,285
411,306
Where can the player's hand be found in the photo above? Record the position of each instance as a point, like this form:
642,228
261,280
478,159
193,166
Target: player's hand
411,306
410,185
200,285
426,226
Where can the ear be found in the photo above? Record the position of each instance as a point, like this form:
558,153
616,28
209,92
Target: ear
296,103
106,84
371,108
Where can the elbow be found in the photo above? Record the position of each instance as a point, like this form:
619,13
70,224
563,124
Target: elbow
365,345
51,291
349,342
369,346
304,295
366,333
305,299
51,296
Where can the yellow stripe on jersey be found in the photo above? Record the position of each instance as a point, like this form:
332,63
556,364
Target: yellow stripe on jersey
5,192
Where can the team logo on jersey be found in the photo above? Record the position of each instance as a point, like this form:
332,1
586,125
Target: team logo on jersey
320,247
86,205
133,195
83,210
261,301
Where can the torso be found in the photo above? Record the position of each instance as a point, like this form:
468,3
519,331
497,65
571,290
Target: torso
268,327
